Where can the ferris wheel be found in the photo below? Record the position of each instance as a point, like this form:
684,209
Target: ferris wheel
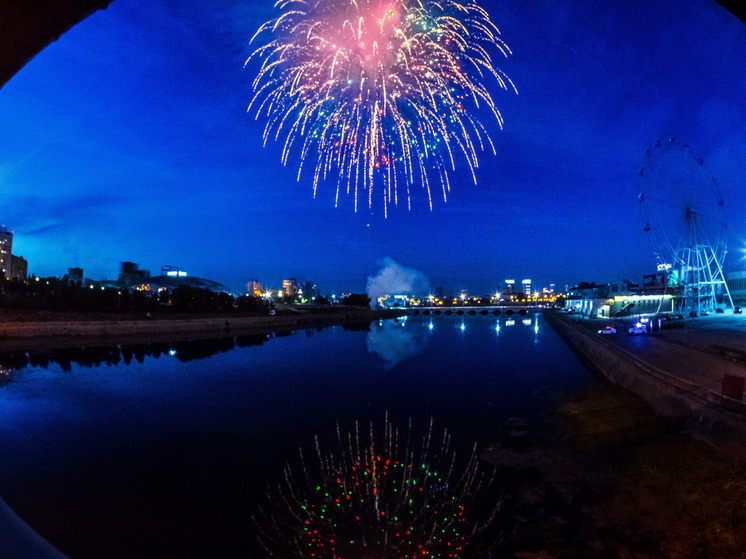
684,217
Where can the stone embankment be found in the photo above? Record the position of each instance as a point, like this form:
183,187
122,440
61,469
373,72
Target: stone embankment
21,334
681,384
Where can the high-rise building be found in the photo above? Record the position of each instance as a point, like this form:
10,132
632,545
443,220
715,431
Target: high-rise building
527,287
290,287
6,246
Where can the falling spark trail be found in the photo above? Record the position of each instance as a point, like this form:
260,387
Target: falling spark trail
379,93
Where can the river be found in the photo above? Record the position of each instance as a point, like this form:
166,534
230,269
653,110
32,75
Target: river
164,450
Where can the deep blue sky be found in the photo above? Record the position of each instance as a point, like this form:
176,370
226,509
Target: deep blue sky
128,139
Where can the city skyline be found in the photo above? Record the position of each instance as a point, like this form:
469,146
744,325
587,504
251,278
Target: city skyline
128,139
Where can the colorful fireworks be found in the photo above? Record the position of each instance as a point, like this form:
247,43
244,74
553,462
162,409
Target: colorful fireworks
380,95
382,500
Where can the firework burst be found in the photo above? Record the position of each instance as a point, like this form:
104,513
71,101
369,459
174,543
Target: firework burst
382,499
380,95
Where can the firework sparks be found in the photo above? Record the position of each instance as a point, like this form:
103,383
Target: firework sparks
381,95
382,499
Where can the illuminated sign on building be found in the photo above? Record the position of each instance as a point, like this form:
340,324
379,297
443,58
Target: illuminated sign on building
173,272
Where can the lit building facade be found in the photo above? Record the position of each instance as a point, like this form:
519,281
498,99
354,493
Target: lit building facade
290,287
254,288
527,287
173,272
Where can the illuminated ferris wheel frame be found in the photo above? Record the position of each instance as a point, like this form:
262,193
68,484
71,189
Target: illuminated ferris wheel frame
684,217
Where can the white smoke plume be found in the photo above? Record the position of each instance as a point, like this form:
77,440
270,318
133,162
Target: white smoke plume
394,279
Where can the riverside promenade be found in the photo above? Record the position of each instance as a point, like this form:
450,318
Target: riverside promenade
680,369
59,332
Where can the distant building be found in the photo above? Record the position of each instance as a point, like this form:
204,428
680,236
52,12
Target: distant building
393,301
11,267
6,246
18,267
439,292
290,287
173,272
131,274
309,290
527,287
75,275
255,288
168,283
509,286
737,286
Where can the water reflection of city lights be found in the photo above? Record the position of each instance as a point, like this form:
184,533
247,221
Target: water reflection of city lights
497,327
431,326
527,322
510,322
462,327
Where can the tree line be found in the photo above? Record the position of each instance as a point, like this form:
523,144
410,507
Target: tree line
60,294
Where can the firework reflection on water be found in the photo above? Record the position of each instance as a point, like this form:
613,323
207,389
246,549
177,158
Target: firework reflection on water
393,497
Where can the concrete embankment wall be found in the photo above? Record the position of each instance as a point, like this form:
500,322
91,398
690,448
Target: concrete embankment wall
688,406
18,335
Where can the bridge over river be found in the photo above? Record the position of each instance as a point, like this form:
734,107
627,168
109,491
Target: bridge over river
473,310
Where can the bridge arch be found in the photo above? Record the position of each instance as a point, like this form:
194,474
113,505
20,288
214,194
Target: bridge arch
26,28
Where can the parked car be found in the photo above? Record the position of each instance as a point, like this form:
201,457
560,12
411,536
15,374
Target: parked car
719,310
638,328
607,330
737,310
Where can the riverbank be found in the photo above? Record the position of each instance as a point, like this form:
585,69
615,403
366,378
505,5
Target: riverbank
20,331
610,478
680,372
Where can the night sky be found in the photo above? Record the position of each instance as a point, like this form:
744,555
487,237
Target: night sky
128,139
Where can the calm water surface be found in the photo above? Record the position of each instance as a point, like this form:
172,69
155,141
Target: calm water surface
115,452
